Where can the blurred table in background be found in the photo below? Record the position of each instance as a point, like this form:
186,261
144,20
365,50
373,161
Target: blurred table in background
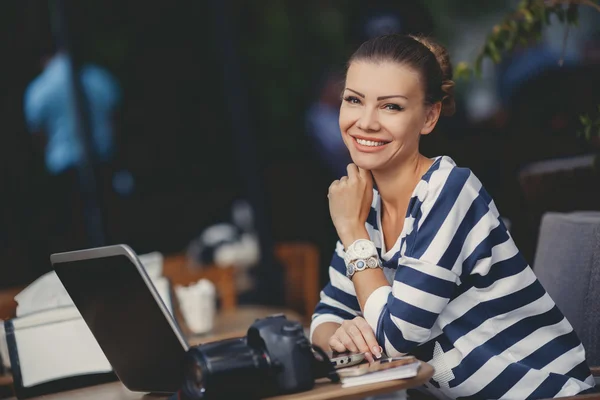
235,323
299,260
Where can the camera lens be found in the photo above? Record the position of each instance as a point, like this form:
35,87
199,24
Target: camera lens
194,375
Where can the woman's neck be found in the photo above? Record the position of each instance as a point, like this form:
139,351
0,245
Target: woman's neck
395,185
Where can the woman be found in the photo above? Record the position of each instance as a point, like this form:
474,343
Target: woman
424,264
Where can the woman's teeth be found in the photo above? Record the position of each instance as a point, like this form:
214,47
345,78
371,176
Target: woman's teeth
369,143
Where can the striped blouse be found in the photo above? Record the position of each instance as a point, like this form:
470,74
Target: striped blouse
462,298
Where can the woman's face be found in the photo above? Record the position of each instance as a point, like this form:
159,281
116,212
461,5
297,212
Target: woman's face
383,113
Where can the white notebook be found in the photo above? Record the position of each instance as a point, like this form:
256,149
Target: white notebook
401,372
53,344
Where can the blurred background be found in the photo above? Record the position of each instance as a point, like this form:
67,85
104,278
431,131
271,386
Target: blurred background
190,114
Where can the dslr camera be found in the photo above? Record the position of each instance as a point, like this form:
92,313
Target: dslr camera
275,357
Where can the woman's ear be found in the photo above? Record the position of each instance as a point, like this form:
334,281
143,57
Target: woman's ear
432,114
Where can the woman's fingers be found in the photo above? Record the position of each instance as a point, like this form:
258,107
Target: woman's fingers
360,342
356,336
352,170
368,336
336,345
346,340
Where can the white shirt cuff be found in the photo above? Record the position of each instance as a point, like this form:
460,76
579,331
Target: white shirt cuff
374,305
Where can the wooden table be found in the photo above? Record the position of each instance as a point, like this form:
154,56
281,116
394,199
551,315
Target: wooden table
227,324
322,390
235,324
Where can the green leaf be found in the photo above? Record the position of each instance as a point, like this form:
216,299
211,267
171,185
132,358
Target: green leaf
538,11
585,120
462,71
493,52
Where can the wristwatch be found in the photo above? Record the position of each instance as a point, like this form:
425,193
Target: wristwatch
360,265
360,255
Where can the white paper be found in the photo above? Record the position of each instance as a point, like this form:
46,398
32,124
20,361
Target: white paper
152,263
46,292
401,372
58,349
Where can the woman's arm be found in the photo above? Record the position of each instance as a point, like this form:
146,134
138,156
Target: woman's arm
338,298
337,322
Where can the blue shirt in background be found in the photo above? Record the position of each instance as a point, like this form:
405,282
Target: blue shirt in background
49,107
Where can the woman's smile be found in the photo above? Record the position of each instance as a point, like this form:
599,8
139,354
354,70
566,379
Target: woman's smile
369,145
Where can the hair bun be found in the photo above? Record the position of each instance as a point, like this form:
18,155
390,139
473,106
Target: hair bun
443,59
448,104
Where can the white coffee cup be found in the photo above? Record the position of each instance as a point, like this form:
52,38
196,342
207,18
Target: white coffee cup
197,303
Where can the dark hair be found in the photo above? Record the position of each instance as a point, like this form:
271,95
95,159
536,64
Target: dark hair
422,54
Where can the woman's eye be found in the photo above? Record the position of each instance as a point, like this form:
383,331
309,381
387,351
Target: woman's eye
393,107
352,99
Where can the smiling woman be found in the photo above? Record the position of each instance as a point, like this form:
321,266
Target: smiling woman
424,264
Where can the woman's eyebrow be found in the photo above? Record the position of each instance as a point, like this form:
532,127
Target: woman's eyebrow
380,97
358,93
391,96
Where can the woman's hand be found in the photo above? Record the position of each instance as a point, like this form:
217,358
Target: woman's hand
350,199
356,336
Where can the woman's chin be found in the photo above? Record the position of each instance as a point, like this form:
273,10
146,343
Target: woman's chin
368,163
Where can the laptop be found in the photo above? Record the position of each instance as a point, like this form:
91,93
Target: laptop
125,313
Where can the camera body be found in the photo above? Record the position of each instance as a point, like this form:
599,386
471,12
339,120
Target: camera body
275,357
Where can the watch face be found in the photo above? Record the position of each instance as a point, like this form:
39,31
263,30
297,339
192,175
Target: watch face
360,265
350,269
364,248
372,262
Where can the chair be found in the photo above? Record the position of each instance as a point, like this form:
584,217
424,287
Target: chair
301,263
556,185
8,305
567,263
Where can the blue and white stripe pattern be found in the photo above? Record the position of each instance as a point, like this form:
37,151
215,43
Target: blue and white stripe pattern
462,298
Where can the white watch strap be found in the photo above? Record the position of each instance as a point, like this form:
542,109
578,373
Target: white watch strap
350,253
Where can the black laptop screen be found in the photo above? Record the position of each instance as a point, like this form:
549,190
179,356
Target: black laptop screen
126,320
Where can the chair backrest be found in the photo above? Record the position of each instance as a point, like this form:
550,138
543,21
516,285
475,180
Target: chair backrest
567,263
557,185
8,305
301,263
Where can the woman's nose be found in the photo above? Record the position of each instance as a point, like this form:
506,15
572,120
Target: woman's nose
368,120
